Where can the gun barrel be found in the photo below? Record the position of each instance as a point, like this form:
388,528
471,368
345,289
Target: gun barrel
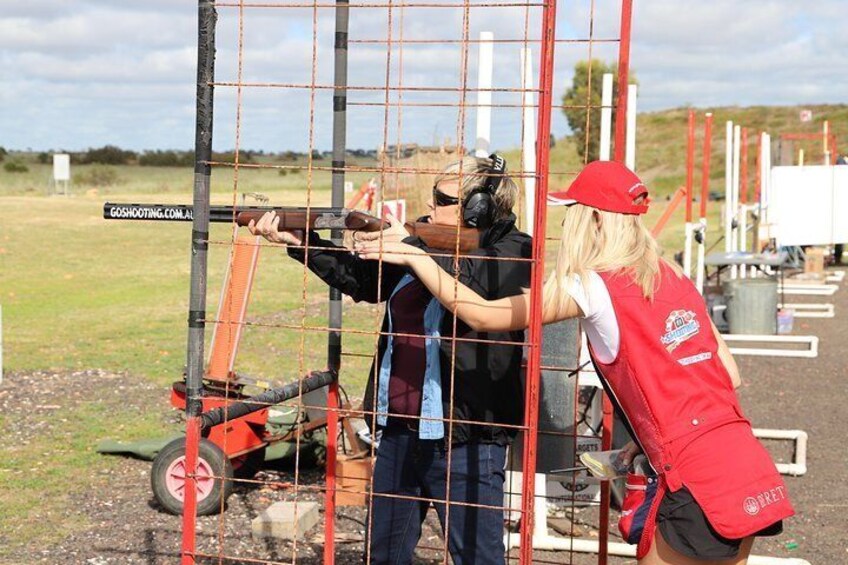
314,381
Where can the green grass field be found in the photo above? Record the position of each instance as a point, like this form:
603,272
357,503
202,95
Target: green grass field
78,292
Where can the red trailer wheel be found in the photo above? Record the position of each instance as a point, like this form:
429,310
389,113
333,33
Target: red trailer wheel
168,477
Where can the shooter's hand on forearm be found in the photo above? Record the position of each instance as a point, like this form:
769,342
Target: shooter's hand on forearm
395,233
268,227
393,252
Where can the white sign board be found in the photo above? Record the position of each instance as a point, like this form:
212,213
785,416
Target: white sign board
62,167
807,205
348,186
805,116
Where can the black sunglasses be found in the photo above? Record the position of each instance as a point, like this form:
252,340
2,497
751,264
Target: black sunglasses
442,199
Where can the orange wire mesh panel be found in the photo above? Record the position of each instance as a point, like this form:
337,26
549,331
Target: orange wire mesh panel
405,79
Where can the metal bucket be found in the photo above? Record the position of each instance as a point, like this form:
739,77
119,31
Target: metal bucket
751,306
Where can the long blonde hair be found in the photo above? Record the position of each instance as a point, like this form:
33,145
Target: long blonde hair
613,242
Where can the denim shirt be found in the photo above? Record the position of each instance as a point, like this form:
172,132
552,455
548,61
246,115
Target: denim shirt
431,395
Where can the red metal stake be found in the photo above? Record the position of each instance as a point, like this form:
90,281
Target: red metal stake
192,444
531,401
333,403
623,72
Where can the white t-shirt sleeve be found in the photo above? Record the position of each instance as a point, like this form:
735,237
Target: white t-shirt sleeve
599,320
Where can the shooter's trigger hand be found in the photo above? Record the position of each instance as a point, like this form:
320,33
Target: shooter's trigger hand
395,233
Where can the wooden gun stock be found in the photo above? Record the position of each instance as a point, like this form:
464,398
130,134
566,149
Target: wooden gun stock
445,237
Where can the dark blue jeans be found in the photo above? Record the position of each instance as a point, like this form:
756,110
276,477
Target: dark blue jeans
408,466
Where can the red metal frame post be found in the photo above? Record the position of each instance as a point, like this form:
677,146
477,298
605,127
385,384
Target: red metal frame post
531,400
705,168
623,75
618,155
206,17
333,404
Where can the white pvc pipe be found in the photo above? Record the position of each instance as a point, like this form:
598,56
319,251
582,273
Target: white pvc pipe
699,269
528,153
805,310
808,290
688,231
734,210
798,466
811,340
484,94
765,179
630,145
606,117
728,191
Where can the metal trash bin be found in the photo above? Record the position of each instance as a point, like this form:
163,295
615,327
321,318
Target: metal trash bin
751,306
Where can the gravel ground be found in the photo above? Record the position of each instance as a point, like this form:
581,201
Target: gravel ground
127,526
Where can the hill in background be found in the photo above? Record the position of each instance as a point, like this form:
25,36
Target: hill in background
661,142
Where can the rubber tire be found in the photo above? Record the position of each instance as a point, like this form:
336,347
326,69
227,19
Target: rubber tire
213,456
250,464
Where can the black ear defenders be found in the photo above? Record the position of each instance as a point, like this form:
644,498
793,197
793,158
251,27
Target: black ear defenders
478,206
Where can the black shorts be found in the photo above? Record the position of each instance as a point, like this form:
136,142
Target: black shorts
685,528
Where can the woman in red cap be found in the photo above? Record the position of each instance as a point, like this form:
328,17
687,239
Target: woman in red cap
712,486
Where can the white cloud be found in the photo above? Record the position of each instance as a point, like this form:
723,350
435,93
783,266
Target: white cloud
89,72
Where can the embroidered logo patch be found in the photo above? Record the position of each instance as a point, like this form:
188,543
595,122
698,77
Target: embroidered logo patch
751,506
679,326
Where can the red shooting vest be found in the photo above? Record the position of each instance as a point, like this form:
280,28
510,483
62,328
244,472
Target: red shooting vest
676,394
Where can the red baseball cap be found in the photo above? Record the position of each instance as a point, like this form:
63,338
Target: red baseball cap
606,185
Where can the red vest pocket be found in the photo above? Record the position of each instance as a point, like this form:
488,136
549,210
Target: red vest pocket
734,481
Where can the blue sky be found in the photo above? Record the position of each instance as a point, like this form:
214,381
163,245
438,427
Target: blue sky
85,73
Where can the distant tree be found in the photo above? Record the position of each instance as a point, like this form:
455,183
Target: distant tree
109,155
15,167
167,158
43,157
3,153
579,102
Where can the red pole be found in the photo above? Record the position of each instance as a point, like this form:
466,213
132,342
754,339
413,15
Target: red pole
618,155
743,173
192,446
330,494
537,272
690,165
623,70
705,169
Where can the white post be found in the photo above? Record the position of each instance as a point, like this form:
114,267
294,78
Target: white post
737,183
688,231
484,94
765,178
728,192
528,153
826,142
630,145
699,269
606,117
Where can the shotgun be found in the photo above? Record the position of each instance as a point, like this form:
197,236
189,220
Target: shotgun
293,218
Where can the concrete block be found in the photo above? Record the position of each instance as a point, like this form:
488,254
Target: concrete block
278,520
